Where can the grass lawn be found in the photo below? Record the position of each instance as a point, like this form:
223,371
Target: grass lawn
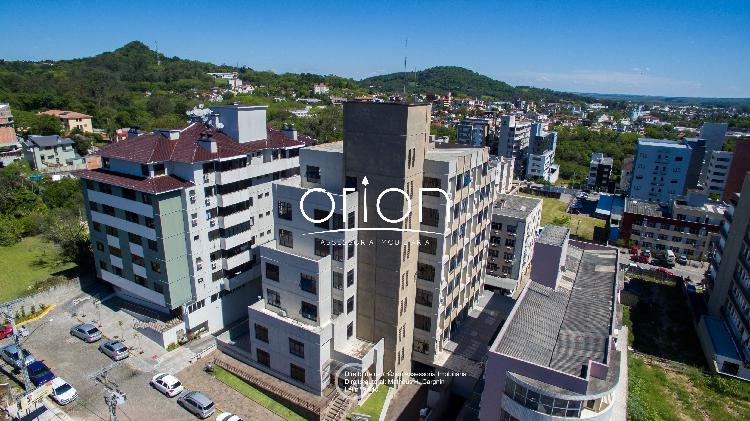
374,404
33,259
668,380
256,395
554,212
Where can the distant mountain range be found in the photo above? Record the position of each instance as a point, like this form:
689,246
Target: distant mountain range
681,100
460,82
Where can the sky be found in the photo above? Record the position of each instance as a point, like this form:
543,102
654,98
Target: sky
670,48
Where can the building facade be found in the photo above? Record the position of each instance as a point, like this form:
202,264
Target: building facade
513,230
737,171
176,216
540,163
626,173
72,120
513,140
49,152
552,360
600,172
714,179
659,170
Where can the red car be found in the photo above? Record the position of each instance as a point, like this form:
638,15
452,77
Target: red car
5,331
664,271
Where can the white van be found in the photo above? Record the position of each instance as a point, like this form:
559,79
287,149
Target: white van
670,257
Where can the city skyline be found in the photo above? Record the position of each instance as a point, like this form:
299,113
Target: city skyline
620,48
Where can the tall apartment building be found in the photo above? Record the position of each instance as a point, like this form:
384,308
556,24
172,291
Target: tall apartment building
715,135
688,226
626,173
513,140
600,172
540,162
513,230
737,171
305,328
659,170
558,356
503,168
714,178
725,331
473,131
176,216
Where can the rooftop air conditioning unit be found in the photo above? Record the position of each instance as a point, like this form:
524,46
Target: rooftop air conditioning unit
282,313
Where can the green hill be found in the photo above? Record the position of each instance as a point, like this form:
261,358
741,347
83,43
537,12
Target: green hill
460,82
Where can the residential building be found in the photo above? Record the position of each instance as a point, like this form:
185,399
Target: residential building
473,131
541,155
626,173
715,134
688,226
659,170
725,331
305,331
50,152
72,120
513,230
558,355
504,173
717,170
9,146
320,89
414,288
176,216
514,136
737,171
600,172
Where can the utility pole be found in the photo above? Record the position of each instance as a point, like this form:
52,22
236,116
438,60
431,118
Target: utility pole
113,397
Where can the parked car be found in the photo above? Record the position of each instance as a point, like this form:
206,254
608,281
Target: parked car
226,416
87,332
197,403
664,271
62,392
682,260
10,355
5,331
646,253
39,373
167,384
114,349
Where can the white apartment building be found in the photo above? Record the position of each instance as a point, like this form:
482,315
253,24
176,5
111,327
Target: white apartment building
541,156
717,169
503,168
513,230
310,283
514,140
176,216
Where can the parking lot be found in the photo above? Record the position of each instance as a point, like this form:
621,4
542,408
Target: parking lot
74,360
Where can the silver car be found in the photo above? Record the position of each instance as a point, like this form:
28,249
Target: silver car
197,403
114,349
11,356
87,332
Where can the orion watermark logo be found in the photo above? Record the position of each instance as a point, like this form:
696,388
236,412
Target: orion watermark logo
365,216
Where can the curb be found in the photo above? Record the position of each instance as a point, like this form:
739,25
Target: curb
38,316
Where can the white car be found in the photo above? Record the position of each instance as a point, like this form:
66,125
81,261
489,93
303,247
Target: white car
62,392
226,416
167,384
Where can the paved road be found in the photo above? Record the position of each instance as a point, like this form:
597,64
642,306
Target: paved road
694,273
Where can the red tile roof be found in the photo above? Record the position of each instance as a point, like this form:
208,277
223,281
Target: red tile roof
7,135
65,115
152,185
155,147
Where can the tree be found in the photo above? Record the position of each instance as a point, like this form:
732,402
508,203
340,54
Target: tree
32,123
63,226
159,105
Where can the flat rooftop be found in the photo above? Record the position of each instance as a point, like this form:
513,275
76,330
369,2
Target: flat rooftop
449,154
565,328
514,206
553,235
328,147
647,141
642,207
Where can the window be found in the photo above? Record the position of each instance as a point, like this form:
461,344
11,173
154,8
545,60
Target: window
159,169
99,246
350,278
337,280
426,272
131,217
351,220
114,251
321,248
321,214
349,305
137,260
349,330
297,373
272,272
296,348
285,210
285,238
421,346
103,264
152,245
261,333
313,174
109,210
308,283
430,217
105,163
338,252
149,222
497,226
427,244
128,194
156,267
264,358
309,311
135,238
140,280
273,298
97,227
337,307
338,221
350,182
350,250
159,288
422,322
424,297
